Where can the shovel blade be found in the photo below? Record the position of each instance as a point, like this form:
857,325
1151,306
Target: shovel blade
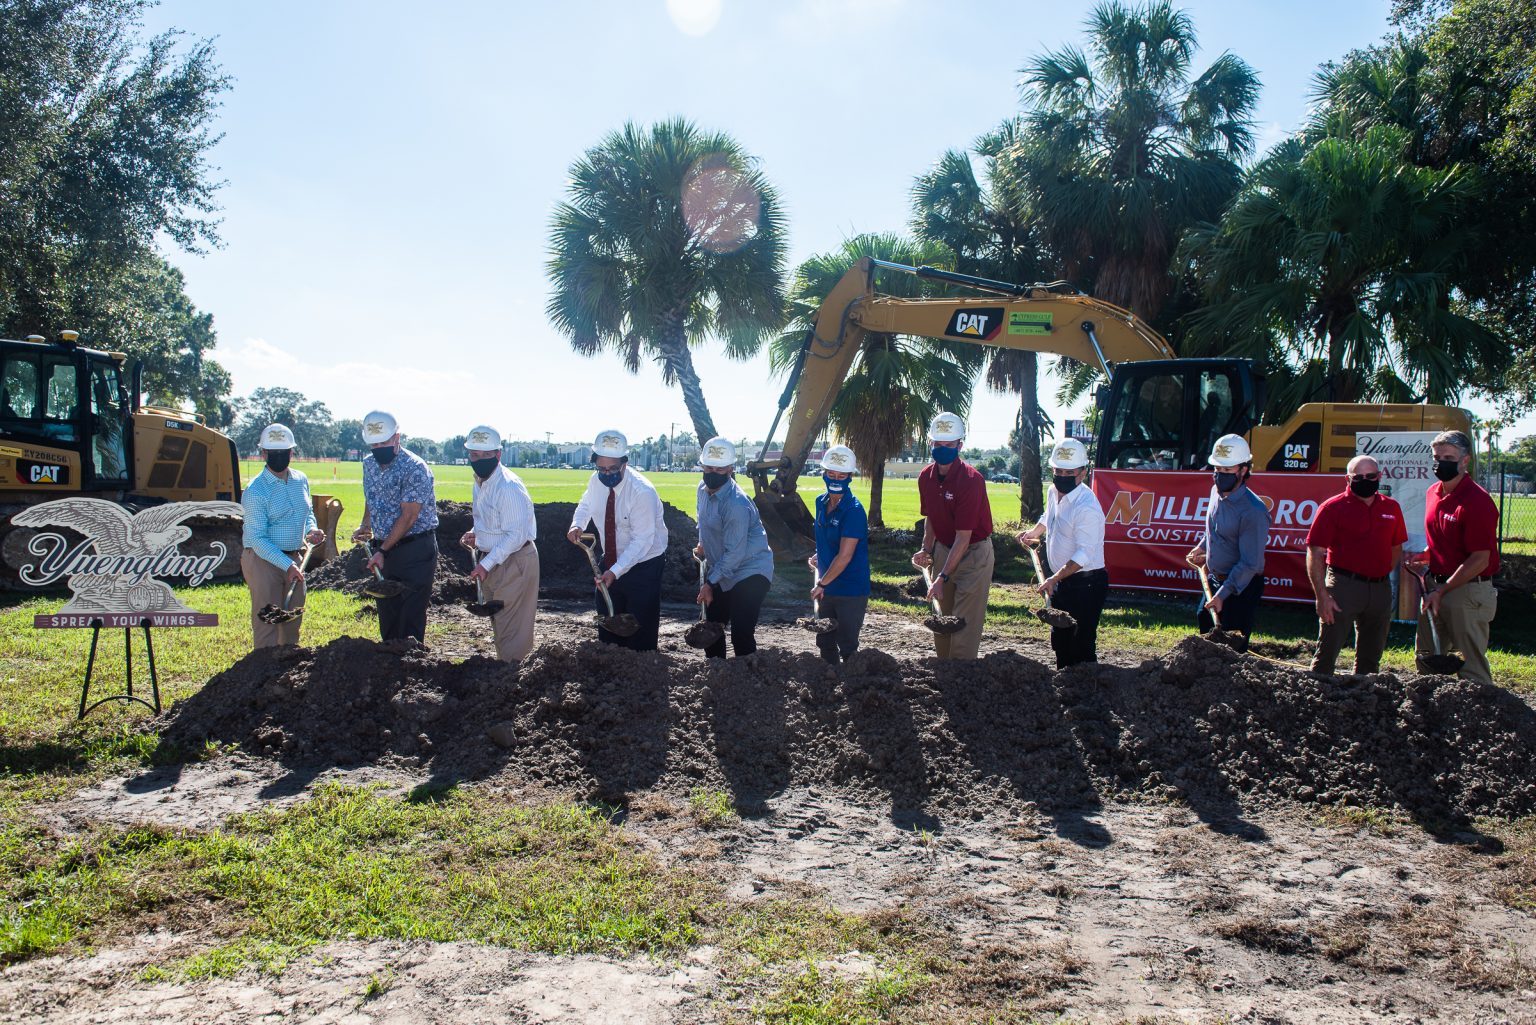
1233,639
266,612
622,625
383,588
1056,619
817,625
1441,665
486,608
702,634
945,624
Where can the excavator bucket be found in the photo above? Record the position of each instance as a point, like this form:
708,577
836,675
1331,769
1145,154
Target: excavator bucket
327,518
791,530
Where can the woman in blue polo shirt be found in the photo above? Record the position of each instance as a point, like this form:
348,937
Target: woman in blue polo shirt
841,562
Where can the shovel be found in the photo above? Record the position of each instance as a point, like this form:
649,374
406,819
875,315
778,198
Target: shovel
624,625
939,623
703,633
815,623
1231,638
273,614
481,607
1056,619
378,587
1438,663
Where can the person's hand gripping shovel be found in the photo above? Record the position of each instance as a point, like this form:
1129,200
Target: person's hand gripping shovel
703,633
481,607
624,625
274,614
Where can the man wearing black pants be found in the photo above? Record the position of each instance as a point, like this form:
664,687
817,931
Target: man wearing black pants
400,526
1232,550
637,592
413,562
1074,530
732,540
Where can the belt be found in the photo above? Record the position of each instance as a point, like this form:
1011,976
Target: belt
1086,574
377,544
1351,574
1485,578
292,555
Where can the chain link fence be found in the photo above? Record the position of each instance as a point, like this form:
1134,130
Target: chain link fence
1517,512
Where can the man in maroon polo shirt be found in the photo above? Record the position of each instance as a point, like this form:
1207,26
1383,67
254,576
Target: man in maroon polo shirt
957,537
1461,524
1354,544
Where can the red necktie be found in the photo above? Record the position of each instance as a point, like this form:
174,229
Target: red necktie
610,534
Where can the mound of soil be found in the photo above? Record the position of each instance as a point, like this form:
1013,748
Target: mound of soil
1206,725
563,569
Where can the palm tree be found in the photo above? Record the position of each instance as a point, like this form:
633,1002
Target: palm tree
1120,150
988,238
669,235
1336,265
898,382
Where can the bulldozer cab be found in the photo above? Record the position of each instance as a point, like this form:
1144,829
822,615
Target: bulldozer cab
70,398
1167,414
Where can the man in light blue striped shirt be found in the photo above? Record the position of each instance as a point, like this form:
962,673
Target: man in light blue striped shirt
732,539
279,519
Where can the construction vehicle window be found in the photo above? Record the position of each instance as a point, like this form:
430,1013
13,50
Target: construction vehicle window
60,401
1148,428
1217,409
110,449
18,389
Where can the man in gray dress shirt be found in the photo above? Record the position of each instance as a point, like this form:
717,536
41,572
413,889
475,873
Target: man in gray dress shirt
1236,534
732,540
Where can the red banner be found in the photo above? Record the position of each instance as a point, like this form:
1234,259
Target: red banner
1154,517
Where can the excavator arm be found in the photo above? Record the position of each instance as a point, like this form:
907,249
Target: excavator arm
1050,318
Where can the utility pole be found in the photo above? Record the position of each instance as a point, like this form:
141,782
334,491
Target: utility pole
671,442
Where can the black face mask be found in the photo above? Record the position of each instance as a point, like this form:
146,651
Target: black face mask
277,459
1064,482
484,467
716,481
1447,469
385,456
1226,482
1365,488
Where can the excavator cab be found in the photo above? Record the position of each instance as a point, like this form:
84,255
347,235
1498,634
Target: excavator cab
1167,414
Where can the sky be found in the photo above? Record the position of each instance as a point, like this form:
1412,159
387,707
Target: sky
391,173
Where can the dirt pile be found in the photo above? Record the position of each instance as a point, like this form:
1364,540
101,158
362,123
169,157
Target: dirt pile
563,570
1206,725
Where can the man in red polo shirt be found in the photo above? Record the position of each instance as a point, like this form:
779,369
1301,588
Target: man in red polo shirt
1354,544
957,537
1461,524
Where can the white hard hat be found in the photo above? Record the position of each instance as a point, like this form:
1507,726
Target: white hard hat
1231,450
610,445
1068,454
482,439
379,427
275,437
716,453
946,427
839,459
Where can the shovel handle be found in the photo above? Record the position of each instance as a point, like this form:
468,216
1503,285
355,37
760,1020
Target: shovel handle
1034,557
588,544
1205,588
303,564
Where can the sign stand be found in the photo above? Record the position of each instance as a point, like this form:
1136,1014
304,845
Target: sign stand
129,696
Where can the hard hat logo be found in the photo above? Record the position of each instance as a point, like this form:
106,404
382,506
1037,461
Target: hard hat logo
274,435
944,425
609,441
716,452
374,426
480,437
1223,451
1064,452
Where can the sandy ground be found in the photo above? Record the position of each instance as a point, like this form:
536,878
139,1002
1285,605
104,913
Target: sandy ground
1116,912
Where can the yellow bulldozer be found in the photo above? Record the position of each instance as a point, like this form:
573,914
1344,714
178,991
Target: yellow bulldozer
71,424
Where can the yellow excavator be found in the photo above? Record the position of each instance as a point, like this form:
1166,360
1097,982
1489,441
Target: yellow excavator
1158,412
71,424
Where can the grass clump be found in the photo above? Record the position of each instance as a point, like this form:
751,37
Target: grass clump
712,809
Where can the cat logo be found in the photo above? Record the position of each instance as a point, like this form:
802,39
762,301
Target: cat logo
979,323
44,474
480,441
1297,451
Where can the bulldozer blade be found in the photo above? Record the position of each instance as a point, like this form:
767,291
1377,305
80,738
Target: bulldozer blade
622,625
817,625
486,608
702,634
790,528
1056,619
945,624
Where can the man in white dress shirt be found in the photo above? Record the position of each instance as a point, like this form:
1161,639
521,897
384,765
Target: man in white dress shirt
504,529
1074,529
625,512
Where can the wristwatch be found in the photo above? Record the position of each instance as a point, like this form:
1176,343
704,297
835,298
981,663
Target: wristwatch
944,577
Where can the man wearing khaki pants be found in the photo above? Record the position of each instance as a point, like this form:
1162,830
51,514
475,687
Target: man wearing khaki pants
957,537
279,519
503,534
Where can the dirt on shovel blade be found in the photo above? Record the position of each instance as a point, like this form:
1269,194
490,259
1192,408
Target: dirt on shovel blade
486,608
817,625
944,624
703,634
1205,727
1057,619
1444,665
1234,639
622,625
